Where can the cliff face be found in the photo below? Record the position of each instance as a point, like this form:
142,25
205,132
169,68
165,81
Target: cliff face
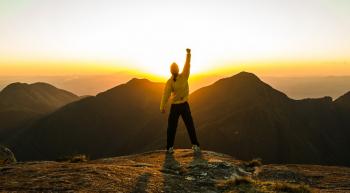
183,171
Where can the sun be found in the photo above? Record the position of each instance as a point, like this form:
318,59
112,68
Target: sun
158,63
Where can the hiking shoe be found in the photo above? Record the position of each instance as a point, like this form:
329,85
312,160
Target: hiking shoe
196,148
170,150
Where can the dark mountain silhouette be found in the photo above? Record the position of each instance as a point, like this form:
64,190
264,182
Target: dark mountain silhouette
239,115
344,100
343,106
21,102
245,117
38,97
122,120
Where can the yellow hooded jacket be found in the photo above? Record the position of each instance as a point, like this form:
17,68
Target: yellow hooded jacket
178,89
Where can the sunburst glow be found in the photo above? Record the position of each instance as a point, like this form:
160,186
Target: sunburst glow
147,36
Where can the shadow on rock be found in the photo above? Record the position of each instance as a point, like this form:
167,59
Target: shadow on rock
141,183
191,177
171,171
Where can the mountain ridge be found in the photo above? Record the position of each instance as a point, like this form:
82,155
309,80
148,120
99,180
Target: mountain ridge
107,110
237,113
22,103
38,96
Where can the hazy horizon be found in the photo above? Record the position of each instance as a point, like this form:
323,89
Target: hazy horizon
295,87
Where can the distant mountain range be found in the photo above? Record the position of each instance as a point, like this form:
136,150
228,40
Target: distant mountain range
294,87
116,122
21,103
239,115
310,86
247,118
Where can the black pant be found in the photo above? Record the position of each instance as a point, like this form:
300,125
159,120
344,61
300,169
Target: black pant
176,110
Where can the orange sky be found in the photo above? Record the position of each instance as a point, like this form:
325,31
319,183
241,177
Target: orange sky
273,37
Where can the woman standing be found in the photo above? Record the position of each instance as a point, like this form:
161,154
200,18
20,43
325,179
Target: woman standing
177,88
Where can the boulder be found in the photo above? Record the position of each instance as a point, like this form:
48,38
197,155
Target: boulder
6,156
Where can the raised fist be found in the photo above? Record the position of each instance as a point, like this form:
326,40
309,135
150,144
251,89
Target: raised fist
188,51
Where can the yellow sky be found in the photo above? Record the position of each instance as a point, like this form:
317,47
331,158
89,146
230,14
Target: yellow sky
272,37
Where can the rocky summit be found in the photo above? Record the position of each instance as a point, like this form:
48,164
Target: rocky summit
183,171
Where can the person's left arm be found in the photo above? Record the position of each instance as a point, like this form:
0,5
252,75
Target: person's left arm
165,97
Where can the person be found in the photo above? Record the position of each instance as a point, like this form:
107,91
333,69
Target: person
177,89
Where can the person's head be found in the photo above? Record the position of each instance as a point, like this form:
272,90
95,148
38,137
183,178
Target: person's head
174,69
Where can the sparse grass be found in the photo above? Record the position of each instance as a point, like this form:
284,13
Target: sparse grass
291,188
246,184
74,158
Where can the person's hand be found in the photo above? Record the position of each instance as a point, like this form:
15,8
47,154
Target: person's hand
188,51
163,111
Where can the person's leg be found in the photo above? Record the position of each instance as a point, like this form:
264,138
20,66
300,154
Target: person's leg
172,125
187,117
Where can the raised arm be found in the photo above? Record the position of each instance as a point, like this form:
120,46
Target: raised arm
187,66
